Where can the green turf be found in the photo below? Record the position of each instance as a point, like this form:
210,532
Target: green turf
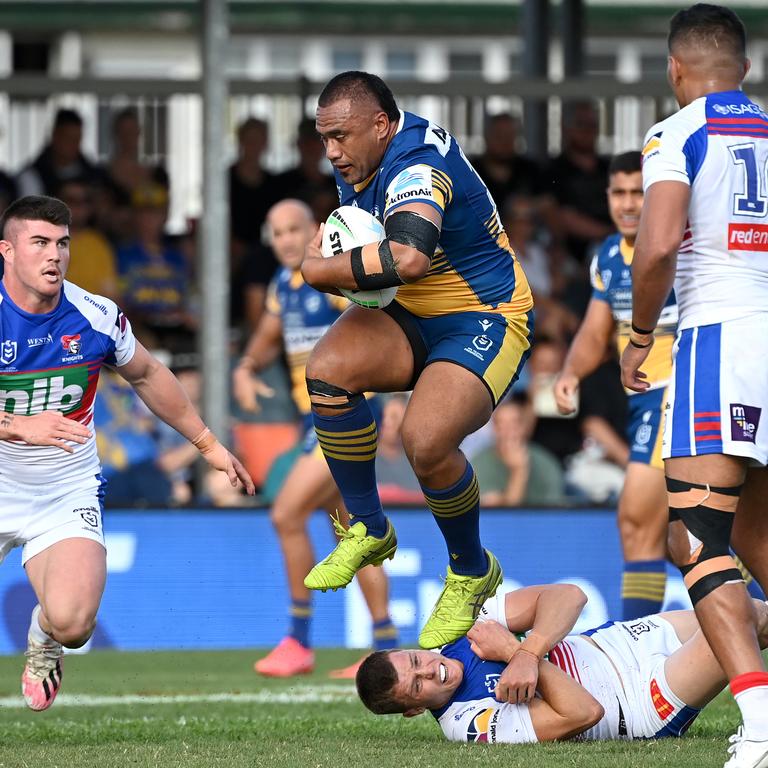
338,733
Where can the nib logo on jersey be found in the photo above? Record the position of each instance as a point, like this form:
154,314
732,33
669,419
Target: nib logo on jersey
28,394
744,422
73,346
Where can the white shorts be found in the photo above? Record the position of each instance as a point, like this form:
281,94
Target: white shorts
638,650
36,517
719,390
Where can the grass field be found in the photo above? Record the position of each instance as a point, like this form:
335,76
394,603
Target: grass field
210,709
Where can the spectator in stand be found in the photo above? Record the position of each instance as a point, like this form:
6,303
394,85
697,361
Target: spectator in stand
601,420
505,171
252,192
514,471
546,270
125,168
155,277
310,179
578,179
394,476
93,265
125,437
175,458
60,159
113,213
252,189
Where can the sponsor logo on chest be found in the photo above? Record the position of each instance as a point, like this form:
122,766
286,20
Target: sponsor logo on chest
28,394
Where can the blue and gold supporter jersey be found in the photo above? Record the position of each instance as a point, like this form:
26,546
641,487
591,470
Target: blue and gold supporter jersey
611,275
306,314
52,361
473,268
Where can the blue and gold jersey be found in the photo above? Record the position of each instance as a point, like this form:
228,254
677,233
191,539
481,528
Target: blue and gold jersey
474,268
611,274
306,314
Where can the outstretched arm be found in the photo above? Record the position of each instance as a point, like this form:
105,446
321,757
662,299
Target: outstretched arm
585,353
166,398
262,348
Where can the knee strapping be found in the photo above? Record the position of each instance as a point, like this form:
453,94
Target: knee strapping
707,514
325,395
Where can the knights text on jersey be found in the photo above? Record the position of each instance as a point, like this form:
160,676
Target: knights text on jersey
718,145
611,275
52,362
306,314
474,267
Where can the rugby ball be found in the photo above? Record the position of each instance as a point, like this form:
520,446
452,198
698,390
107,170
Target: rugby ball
346,228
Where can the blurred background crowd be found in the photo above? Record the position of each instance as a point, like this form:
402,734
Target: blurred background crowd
555,214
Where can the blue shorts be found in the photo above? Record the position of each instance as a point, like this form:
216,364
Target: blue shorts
308,439
492,346
644,427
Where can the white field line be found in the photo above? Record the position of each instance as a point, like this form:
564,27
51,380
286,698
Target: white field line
311,694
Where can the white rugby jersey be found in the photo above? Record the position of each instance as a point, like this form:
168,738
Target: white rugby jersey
718,145
52,361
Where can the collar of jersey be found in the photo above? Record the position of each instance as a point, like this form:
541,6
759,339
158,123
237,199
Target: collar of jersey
626,250
33,317
363,184
296,280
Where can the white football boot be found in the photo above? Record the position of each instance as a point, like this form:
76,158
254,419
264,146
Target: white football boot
41,679
745,753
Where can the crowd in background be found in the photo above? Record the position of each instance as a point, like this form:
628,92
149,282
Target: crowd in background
554,213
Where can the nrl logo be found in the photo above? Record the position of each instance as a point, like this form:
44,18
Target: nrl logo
8,352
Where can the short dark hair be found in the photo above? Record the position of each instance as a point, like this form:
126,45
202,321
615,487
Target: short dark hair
36,208
375,680
67,117
626,162
709,25
355,85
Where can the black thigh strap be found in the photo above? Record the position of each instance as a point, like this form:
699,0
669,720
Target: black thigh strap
412,333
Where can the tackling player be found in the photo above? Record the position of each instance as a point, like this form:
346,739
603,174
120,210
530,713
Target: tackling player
55,339
642,513
705,228
640,679
457,334
296,317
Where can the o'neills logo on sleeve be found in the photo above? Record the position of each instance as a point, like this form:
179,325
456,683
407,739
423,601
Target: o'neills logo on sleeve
748,237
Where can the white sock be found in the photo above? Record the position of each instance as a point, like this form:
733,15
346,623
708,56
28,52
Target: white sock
36,631
753,703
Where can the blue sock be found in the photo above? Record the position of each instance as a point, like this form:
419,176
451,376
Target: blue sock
384,635
642,588
301,616
349,445
457,513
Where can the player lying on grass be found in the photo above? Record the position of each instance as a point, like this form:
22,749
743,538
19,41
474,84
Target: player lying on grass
646,678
